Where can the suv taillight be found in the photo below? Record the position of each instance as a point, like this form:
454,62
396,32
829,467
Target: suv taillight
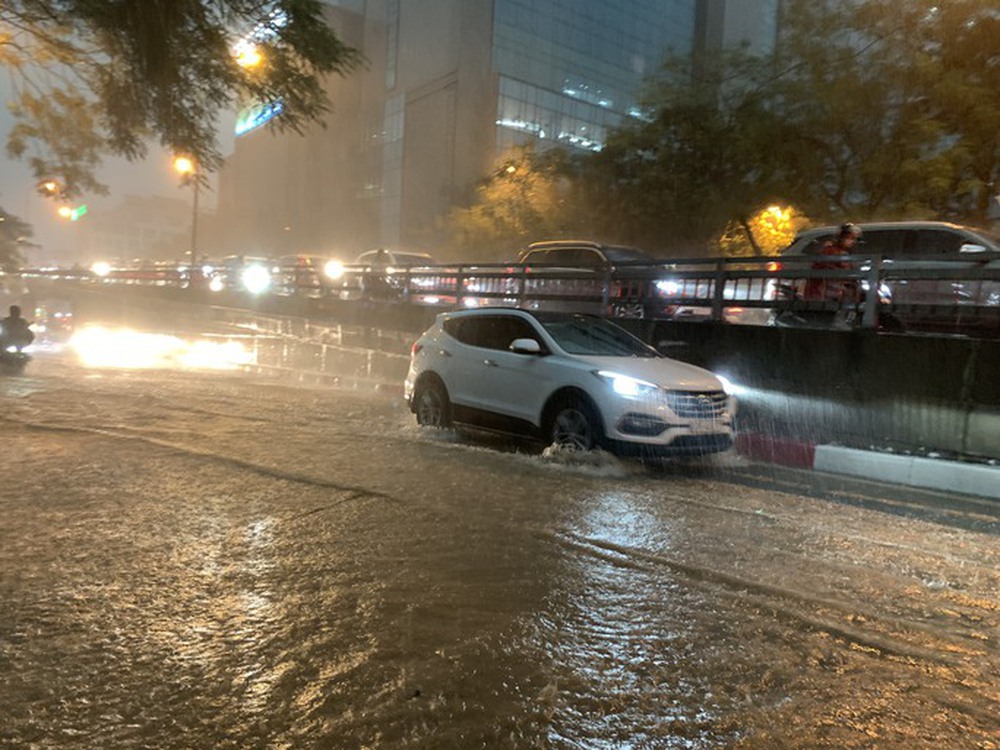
417,346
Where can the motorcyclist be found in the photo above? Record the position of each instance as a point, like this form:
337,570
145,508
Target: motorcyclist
15,330
835,290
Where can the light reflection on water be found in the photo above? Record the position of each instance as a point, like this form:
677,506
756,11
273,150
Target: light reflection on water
449,595
256,610
628,520
619,651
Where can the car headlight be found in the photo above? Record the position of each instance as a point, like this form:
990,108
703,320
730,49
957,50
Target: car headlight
626,385
731,388
333,269
256,279
668,287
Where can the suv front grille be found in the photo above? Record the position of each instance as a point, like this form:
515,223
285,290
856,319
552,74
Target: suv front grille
697,404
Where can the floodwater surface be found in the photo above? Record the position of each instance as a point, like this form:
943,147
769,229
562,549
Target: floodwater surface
216,561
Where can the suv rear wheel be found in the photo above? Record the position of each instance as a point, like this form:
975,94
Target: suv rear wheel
431,403
575,425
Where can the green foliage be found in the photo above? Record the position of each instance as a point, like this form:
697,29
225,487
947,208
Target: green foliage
97,77
13,231
671,181
765,233
523,199
875,109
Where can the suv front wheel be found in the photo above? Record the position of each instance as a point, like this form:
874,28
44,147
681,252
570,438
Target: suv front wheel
575,425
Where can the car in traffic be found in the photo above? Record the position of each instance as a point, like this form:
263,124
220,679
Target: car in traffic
896,239
935,274
298,275
246,274
572,380
585,276
386,258
387,275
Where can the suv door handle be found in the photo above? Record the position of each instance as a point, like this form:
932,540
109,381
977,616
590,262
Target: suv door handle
489,363
444,352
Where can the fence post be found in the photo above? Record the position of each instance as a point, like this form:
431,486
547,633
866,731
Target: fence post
719,292
869,315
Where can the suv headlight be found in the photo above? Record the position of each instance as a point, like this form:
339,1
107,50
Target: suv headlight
626,385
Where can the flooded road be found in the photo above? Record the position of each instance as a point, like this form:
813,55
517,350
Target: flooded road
216,561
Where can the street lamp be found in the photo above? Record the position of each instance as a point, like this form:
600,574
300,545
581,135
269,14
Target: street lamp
188,169
49,188
247,54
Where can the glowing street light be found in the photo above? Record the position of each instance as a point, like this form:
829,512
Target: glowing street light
49,188
184,165
247,55
188,169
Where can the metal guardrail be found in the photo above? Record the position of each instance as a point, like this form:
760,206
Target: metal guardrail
960,292
963,290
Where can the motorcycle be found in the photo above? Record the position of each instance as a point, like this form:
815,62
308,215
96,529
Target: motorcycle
13,359
792,310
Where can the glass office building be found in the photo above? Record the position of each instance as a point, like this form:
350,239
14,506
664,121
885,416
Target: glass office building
553,72
569,69
450,85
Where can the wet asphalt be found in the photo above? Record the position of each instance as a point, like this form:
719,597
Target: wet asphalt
194,560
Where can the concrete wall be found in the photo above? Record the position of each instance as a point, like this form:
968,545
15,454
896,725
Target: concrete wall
860,388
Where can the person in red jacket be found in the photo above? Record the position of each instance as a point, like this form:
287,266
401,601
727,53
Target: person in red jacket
835,290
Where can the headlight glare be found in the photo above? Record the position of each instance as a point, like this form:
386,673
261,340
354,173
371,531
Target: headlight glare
333,269
256,279
626,385
668,287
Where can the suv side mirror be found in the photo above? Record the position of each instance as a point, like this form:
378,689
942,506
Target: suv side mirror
525,346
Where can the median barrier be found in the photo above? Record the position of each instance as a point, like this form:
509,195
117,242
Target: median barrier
917,394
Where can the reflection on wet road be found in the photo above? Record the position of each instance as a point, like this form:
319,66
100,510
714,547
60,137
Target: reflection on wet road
212,561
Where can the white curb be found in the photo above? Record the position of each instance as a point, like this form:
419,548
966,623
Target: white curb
951,476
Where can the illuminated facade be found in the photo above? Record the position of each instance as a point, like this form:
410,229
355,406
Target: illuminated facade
449,86
567,70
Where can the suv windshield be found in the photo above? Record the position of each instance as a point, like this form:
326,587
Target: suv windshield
588,335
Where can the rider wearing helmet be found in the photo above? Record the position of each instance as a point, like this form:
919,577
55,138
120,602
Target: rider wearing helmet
835,290
15,330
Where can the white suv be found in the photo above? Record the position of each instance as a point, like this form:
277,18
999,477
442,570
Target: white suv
569,379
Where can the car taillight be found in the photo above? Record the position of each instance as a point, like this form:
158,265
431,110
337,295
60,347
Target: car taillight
417,346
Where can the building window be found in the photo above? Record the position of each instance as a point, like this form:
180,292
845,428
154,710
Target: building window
391,44
571,69
392,168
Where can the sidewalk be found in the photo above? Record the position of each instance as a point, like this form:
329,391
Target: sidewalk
982,480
